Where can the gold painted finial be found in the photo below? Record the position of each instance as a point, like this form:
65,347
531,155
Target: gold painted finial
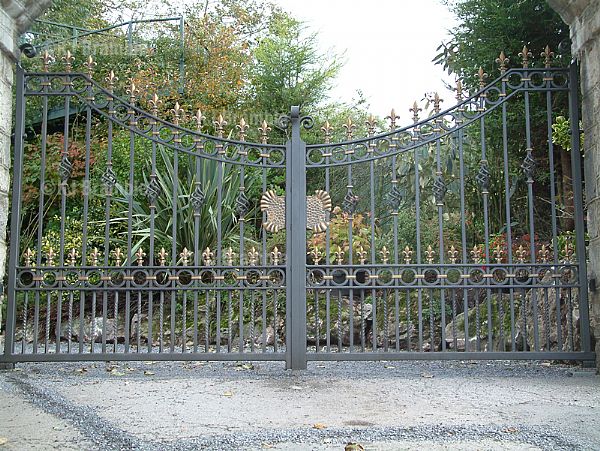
393,118
547,54
482,75
429,255
90,64
243,128
198,118
502,61
315,254
140,255
253,256
68,59
207,256
327,130
349,126
264,130
46,61
371,123
186,255
220,124
525,54
118,256
177,113
229,256
275,256
162,256
415,111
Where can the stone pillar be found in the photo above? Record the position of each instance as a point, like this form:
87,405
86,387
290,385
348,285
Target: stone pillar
583,18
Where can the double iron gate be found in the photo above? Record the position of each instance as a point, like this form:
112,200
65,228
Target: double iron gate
429,241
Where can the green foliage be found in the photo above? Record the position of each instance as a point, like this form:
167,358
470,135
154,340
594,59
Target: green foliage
561,133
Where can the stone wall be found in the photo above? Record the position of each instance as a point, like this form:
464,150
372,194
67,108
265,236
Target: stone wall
583,17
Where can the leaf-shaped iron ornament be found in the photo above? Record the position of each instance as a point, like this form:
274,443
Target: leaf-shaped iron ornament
317,207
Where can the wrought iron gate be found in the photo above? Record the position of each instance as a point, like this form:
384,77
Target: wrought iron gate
424,242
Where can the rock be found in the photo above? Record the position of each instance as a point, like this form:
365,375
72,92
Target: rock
93,332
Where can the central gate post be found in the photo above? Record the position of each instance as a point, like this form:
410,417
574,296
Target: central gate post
295,219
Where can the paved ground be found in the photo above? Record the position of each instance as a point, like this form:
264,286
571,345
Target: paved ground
381,405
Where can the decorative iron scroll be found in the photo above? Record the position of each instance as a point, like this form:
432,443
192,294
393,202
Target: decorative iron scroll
317,207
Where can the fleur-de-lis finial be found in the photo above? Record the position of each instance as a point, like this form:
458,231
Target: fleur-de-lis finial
177,113
90,64
229,256
502,61
429,255
186,255
436,103
198,118
476,254
371,123
95,256
459,91
385,255
498,253
520,252
46,61
525,54
118,256
155,102
50,256
275,256
339,255
362,254
133,91
544,254
481,75
220,124
253,256
162,256
243,128
68,59
415,111
453,254
407,252
349,126
568,252
315,254
73,257
393,118
208,256
111,79
29,256
547,54
140,255
264,130
327,130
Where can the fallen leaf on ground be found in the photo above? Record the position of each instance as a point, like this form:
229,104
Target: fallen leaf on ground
319,426
3,441
266,445
81,370
354,447
296,387
149,373
389,367
228,394
511,430
427,375
116,372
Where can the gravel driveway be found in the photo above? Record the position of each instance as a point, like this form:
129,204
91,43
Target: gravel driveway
380,405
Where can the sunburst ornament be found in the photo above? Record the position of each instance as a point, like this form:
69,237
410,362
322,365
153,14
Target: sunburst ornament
317,207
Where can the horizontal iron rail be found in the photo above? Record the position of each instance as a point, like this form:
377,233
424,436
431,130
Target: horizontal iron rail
452,355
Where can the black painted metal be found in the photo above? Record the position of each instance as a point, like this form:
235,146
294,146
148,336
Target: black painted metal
378,292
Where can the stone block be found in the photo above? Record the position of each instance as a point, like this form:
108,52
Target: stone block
3,249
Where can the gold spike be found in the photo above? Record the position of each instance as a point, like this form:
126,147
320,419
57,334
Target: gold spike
544,254
502,61
415,111
220,124
198,118
50,256
482,76
46,61
90,64
68,59
436,103
525,54
498,253
207,256
73,257
459,91
327,130
349,126
362,254
178,113
520,252
243,128
253,257
476,254
29,256
111,79
407,252
547,54
118,256
339,255
264,130
371,123
385,255
140,255
162,256
186,255
154,104
453,254
429,255
133,91
95,255
229,256
315,254
568,252
275,256
393,118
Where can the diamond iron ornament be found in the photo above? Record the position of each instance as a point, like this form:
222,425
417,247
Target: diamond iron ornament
317,207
